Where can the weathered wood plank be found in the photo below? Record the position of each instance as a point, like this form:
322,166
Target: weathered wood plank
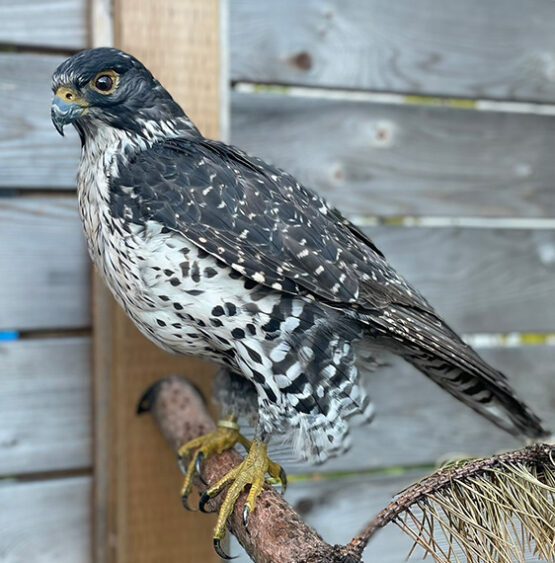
32,154
469,49
45,405
417,422
55,24
381,159
46,521
480,280
44,269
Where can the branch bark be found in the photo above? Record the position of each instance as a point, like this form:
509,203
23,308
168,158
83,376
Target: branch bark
276,532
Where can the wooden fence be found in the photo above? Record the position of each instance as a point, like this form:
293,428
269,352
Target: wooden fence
432,124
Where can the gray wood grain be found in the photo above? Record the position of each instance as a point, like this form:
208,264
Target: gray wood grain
500,49
45,405
32,154
480,280
417,422
46,521
381,159
56,23
44,267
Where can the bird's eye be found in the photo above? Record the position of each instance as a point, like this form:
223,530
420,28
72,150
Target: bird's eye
105,82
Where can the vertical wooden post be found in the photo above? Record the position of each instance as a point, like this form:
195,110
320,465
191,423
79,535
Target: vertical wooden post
138,514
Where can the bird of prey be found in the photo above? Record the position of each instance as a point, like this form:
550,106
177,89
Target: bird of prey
218,254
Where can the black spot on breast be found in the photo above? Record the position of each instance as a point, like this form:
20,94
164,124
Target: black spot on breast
251,328
234,275
202,253
168,272
175,282
195,273
176,325
216,322
255,356
238,333
178,306
231,309
218,311
184,268
160,322
194,292
164,297
258,377
249,284
210,272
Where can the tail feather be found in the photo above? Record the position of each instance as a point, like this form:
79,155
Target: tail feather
425,341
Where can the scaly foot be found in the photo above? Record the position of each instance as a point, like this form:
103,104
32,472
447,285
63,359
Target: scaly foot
252,471
223,438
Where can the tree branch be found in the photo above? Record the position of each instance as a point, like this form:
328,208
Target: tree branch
276,532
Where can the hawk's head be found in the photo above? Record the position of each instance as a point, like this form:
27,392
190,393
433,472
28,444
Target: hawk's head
107,86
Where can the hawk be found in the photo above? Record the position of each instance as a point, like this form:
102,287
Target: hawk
218,254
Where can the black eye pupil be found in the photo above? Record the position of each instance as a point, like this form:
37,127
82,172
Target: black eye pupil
104,83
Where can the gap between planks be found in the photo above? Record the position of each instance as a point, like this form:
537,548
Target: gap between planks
477,104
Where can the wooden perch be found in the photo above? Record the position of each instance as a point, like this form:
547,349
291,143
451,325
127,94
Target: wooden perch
276,532
516,485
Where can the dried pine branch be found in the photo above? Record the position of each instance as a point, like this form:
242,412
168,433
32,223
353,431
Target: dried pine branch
492,510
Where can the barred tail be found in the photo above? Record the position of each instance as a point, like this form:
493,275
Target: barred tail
425,341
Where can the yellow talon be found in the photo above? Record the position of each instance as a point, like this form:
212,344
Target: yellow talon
223,438
252,471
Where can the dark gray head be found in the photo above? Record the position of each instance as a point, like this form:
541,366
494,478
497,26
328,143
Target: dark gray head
109,86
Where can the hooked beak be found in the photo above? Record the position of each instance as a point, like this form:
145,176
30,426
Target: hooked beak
67,106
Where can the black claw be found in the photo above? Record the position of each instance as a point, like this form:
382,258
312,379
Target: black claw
220,551
204,498
181,464
186,505
246,512
198,461
283,479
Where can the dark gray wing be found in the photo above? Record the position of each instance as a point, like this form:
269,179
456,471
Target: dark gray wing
259,221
